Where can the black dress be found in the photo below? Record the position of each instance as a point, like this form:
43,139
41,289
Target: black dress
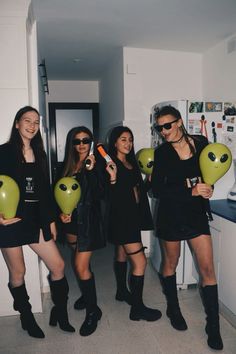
36,206
180,215
87,221
126,217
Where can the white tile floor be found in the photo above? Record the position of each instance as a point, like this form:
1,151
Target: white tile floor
116,334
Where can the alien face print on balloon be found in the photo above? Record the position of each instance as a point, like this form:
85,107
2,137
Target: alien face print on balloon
67,193
215,160
145,159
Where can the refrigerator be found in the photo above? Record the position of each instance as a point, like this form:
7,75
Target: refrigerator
217,121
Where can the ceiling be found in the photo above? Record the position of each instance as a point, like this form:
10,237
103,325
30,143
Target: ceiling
78,37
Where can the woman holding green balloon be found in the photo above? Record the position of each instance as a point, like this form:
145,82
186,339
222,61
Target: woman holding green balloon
24,160
183,214
84,227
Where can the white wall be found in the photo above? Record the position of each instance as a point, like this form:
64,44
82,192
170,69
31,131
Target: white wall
111,90
13,62
73,91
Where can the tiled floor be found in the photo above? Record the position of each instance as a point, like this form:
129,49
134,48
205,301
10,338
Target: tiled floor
116,334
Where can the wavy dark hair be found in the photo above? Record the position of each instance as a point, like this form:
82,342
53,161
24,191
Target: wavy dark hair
36,143
170,110
114,136
71,157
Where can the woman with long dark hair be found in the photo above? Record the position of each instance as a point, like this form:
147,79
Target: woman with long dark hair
129,213
23,158
183,214
84,228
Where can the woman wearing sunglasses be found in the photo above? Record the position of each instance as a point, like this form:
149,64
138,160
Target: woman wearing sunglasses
84,228
183,214
129,214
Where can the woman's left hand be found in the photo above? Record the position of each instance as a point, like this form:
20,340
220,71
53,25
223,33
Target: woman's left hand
90,162
53,230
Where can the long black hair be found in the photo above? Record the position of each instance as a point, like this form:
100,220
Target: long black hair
114,136
71,157
36,143
170,110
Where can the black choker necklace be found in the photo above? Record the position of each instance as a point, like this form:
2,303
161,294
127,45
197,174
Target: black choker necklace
177,141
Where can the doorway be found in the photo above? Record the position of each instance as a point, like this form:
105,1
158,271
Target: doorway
62,118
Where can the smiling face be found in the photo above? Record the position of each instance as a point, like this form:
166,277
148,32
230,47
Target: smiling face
169,127
215,160
124,144
28,126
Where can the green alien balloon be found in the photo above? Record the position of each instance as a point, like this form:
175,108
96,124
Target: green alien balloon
215,160
9,196
145,158
67,193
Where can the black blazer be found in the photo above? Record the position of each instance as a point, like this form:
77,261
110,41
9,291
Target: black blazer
10,166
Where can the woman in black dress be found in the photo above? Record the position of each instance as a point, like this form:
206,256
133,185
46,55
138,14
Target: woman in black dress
129,213
183,215
23,158
84,228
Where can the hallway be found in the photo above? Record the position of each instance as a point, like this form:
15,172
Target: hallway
116,334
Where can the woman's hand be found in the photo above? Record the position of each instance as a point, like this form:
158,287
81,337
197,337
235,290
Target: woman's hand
112,170
53,230
202,189
90,162
6,222
65,218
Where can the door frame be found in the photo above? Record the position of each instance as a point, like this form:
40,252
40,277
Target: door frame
52,108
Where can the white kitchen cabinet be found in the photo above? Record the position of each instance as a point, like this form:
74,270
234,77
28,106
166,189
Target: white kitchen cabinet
224,244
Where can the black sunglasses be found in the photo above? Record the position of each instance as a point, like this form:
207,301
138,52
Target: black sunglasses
83,141
167,126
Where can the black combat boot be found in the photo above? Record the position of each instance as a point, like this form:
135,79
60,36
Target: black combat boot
210,301
21,304
173,310
122,293
138,310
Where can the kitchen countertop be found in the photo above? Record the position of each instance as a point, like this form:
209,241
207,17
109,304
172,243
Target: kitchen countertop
224,208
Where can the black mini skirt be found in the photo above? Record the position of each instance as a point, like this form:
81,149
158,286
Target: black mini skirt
26,231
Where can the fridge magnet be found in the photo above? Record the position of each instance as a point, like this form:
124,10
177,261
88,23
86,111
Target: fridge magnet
213,106
229,108
196,107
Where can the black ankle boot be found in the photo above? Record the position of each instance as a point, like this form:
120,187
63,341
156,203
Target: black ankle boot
210,301
79,303
21,304
122,293
173,310
93,312
138,310
59,314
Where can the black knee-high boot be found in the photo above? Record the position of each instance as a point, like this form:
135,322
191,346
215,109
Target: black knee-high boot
173,309
93,312
210,301
122,293
138,310
21,304
59,293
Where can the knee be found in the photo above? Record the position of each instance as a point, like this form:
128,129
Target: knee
207,272
57,272
83,271
171,263
139,265
16,277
